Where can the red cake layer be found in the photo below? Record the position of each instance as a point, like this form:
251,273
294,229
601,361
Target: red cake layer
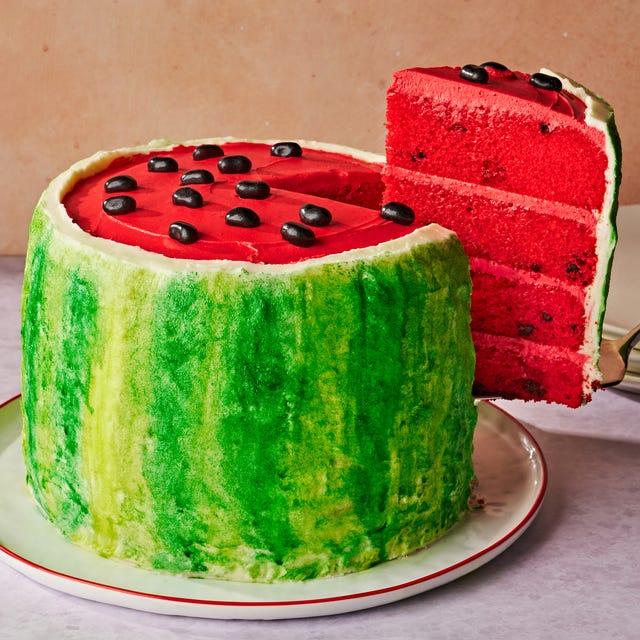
534,309
506,134
537,236
350,188
528,371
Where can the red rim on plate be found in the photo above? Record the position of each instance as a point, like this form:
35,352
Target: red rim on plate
469,562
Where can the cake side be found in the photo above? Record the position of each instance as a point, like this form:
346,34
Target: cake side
245,421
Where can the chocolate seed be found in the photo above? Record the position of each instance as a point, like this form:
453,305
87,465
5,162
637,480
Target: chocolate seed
494,65
234,164
197,176
547,317
161,164
315,215
286,150
544,81
398,213
544,127
119,205
183,232
206,151
474,73
187,197
297,234
534,388
242,217
254,189
525,329
572,267
120,183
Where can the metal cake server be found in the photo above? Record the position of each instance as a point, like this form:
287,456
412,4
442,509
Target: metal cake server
614,356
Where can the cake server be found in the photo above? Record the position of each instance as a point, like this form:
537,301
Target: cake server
614,356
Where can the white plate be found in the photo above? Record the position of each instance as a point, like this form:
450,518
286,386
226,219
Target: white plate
512,479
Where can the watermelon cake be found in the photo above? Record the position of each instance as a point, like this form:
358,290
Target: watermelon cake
525,169
238,364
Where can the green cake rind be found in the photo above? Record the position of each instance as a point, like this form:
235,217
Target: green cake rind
248,425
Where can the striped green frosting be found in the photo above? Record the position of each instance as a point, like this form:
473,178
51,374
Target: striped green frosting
248,425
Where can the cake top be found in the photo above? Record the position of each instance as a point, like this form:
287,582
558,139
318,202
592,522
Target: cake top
539,89
247,201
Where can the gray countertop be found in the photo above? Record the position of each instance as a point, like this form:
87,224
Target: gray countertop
574,573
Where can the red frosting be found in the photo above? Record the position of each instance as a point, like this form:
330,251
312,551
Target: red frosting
351,189
516,84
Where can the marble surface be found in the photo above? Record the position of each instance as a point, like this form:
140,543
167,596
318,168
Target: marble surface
575,573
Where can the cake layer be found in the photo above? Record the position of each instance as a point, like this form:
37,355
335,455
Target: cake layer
505,134
246,421
530,234
511,368
514,304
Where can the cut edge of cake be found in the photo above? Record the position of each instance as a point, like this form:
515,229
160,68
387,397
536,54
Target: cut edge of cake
599,114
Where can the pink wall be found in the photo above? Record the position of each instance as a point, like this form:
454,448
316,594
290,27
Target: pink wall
80,76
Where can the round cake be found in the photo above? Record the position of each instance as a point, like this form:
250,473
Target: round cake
238,363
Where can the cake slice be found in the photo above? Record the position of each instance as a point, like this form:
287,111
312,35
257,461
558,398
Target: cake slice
525,169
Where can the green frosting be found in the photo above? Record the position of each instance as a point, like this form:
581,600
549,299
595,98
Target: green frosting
250,426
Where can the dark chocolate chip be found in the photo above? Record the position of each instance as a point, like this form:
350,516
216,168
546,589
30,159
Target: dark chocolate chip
120,183
242,217
253,189
286,150
572,267
315,215
398,213
544,127
197,176
297,234
525,329
547,317
206,151
183,232
544,81
536,267
474,73
534,388
497,66
119,205
234,164
187,197
162,164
